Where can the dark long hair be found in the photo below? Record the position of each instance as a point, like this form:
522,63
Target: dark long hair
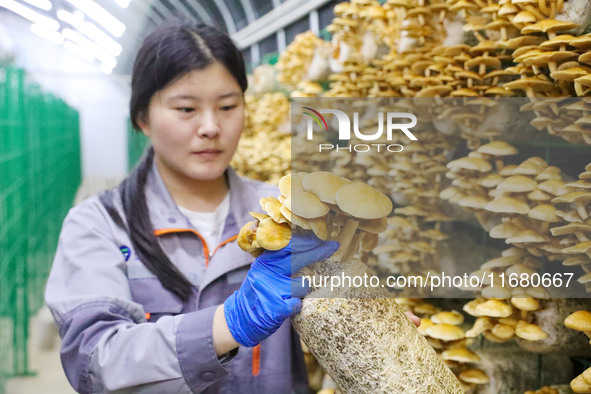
167,54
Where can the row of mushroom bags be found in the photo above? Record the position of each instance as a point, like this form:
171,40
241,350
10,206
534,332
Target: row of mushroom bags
501,197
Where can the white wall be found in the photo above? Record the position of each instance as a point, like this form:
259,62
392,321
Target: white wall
101,100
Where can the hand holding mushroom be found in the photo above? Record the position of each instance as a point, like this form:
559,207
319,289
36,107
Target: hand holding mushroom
269,294
332,207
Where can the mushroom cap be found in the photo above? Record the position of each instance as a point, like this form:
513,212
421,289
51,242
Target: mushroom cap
445,332
587,375
503,230
570,228
425,308
569,74
517,184
547,25
545,213
497,148
508,9
374,226
448,317
529,167
323,184
272,235
490,181
554,187
507,205
582,247
460,354
363,201
579,385
500,262
476,376
521,41
258,216
273,207
482,324
473,202
556,42
527,237
470,306
585,80
524,83
530,332
507,170
580,184
583,42
247,237
492,62
525,303
496,292
484,46
470,163
493,308
579,320
503,331
285,184
576,260
307,205
538,195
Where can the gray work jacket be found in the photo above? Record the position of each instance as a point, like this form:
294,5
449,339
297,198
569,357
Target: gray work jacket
123,332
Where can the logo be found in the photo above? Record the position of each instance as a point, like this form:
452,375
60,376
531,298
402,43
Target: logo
315,117
392,124
126,252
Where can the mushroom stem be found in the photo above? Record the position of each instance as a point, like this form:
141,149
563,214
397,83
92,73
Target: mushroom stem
353,247
518,222
579,89
581,210
499,163
544,226
581,236
329,223
344,238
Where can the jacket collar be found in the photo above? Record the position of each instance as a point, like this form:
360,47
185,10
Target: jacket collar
165,214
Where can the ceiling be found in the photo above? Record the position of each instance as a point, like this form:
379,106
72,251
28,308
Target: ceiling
247,21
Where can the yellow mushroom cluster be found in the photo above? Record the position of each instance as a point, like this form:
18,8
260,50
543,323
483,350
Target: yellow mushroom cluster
268,125
413,179
334,208
509,48
294,63
574,207
408,247
513,202
581,321
544,390
495,274
444,331
500,320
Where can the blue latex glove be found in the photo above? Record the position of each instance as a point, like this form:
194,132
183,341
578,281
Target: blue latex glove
269,294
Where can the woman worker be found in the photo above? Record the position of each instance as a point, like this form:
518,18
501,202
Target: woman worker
148,287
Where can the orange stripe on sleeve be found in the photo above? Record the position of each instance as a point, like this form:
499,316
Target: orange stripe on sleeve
256,360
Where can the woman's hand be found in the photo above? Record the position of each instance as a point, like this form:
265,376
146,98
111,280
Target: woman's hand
413,318
269,294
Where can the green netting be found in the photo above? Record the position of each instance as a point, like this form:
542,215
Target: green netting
136,144
39,176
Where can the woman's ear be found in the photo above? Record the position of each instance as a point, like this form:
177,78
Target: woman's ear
142,122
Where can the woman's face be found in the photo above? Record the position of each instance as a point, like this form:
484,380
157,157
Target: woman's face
195,123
